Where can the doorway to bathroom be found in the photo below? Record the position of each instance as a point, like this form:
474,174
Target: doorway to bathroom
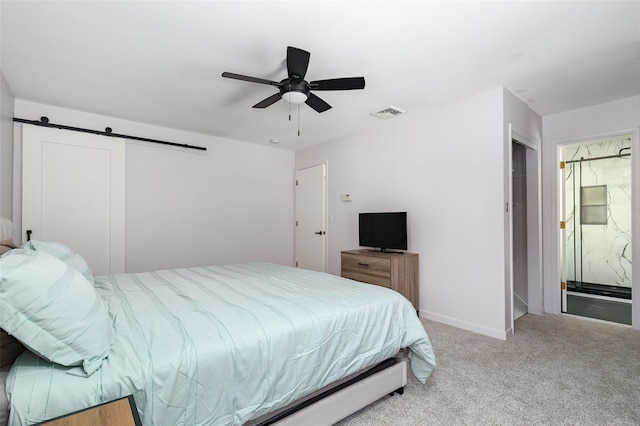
597,229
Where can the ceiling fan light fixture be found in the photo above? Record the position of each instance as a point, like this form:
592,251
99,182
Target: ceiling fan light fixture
294,97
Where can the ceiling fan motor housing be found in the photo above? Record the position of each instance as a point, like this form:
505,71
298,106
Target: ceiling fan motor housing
299,87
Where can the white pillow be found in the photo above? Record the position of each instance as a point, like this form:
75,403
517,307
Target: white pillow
64,253
53,310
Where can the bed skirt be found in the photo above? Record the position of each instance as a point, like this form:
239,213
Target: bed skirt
341,399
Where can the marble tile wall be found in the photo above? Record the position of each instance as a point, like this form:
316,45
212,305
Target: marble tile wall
599,254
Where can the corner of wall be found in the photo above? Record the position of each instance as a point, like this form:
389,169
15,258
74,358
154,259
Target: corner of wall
7,102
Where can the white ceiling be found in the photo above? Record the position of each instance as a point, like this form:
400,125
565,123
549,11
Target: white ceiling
161,62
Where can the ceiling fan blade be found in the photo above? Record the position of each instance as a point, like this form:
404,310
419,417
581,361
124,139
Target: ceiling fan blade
269,101
297,62
316,103
247,78
349,83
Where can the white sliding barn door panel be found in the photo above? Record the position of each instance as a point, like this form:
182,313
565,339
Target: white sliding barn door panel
74,192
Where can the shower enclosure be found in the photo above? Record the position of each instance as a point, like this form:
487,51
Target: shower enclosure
598,229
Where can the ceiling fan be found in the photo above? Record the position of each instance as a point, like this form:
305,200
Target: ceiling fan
295,89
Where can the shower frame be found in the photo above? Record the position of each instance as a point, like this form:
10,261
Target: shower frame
579,284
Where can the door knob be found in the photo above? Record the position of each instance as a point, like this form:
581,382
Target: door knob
319,233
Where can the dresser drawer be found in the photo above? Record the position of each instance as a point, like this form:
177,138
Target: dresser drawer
397,271
371,270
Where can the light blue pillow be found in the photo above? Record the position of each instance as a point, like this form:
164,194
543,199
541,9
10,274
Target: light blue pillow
53,310
64,253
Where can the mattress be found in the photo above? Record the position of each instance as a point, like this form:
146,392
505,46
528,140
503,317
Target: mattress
225,344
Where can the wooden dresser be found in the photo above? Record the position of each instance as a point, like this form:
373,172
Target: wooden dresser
397,271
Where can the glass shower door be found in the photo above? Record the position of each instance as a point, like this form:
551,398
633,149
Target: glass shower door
597,239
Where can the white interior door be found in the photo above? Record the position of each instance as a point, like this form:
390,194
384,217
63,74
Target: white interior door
73,192
519,227
563,235
311,218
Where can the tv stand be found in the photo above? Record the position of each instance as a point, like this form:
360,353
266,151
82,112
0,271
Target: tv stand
397,271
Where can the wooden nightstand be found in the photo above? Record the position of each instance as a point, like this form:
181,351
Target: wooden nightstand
121,412
397,271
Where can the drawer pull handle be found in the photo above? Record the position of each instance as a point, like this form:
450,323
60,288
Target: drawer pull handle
364,265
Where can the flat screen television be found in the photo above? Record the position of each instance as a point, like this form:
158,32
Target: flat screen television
383,231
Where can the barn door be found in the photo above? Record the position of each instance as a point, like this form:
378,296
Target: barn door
73,189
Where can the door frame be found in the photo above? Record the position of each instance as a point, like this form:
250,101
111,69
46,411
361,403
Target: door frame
326,212
534,224
554,297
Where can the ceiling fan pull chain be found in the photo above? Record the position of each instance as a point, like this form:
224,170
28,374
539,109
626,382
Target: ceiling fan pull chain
298,120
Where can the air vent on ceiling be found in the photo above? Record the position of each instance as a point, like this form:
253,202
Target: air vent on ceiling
388,112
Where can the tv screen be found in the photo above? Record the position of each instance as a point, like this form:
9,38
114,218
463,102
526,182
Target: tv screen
383,230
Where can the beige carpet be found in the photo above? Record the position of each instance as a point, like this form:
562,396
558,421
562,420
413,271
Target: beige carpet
556,370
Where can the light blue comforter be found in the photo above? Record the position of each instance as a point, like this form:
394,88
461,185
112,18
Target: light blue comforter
222,345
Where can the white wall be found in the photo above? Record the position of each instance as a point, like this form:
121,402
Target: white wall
608,119
6,148
231,203
445,167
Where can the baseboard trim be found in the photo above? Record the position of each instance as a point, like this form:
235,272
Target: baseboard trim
465,325
536,309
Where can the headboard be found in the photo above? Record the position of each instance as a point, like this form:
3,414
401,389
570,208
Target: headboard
6,229
10,348
6,245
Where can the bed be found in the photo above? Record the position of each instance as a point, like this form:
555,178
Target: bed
252,343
